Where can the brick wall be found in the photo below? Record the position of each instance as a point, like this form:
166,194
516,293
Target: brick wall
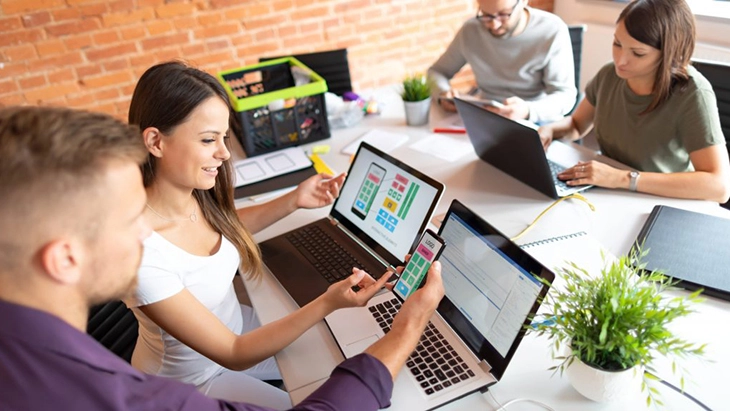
89,53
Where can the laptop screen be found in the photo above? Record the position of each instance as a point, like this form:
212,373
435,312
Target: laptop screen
386,203
491,286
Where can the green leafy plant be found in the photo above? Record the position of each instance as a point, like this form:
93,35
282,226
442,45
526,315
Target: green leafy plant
617,320
416,87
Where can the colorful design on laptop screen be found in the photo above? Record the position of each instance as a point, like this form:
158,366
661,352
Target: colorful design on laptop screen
368,190
385,201
396,205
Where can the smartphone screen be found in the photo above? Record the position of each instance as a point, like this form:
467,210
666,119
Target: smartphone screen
368,190
427,251
495,103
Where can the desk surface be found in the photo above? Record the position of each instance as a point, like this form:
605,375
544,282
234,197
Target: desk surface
510,206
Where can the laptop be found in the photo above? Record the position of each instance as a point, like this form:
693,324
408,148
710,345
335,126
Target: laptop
383,207
515,148
493,290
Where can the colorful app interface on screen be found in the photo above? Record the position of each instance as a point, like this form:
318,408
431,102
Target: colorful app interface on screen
368,190
426,252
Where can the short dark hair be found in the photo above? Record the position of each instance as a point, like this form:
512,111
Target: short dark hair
50,154
668,26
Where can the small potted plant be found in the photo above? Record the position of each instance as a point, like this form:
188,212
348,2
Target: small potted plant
416,96
610,327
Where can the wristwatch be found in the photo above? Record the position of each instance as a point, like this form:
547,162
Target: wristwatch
633,179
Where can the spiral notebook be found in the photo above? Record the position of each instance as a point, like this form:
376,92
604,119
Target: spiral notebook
578,247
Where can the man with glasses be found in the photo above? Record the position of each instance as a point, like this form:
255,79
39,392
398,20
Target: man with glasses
520,56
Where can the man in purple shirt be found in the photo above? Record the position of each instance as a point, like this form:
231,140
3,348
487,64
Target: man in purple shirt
71,232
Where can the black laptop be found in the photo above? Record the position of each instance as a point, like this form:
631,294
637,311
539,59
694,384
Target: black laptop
493,290
515,148
383,207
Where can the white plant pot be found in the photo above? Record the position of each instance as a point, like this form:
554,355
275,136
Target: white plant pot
604,386
417,112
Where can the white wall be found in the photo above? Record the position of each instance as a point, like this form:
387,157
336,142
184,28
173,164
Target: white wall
713,34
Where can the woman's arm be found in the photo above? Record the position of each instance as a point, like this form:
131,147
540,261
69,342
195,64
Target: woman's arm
316,191
189,321
572,127
710,180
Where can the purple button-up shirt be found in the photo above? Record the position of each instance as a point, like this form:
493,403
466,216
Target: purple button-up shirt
45,364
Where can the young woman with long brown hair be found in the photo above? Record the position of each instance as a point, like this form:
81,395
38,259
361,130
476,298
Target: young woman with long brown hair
192,327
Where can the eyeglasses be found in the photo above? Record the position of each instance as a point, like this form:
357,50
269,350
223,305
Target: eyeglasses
502,17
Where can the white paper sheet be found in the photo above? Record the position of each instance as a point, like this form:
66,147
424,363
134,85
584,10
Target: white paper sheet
270,165
444,147
382,140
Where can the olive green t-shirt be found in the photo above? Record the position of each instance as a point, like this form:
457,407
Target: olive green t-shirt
661,140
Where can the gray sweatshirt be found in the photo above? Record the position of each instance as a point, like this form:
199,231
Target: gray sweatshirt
536,65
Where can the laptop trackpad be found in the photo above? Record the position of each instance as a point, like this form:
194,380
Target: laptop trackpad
357,347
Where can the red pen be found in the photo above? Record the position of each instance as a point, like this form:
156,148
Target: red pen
450,130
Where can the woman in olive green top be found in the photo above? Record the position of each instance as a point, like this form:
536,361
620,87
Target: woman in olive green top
651,111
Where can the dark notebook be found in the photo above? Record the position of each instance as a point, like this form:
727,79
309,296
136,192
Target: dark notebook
689,246
285,180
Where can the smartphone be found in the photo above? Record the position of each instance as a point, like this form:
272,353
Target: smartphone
427,251
368,190
494,103
483,102
476,100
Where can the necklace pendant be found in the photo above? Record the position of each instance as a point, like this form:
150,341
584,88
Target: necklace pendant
193,217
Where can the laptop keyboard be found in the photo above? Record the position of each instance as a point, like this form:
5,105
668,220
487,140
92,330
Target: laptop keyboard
434,362
556,169
327,256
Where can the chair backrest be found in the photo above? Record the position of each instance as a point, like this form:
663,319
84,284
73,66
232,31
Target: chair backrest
718,74
115,327
332,65
576,39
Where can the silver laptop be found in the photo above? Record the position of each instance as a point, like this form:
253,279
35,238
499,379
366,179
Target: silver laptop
383,207
515,148
493,289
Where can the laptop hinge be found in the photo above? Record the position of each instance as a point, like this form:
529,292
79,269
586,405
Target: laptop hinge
359,242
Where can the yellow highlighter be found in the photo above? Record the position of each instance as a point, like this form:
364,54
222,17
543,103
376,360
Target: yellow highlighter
320,165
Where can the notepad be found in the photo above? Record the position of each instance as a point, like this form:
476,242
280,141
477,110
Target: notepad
384,140
267,166
689,246
579,248
444,147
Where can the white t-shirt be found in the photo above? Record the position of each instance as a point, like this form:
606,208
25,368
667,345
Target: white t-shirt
165,271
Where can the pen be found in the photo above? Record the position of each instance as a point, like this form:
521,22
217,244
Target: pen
450,130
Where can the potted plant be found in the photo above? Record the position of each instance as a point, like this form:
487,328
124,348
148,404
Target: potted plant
416,96
610,327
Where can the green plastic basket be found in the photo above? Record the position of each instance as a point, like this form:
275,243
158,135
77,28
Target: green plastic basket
252,88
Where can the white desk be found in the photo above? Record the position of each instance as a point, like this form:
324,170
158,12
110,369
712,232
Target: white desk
508,205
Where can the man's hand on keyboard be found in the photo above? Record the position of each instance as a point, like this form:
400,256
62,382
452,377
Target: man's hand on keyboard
341,294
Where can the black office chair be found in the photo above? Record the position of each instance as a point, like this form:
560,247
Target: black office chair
576,39
718,74
332,65
115,327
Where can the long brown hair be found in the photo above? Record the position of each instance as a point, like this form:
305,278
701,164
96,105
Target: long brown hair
164,97
668,26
